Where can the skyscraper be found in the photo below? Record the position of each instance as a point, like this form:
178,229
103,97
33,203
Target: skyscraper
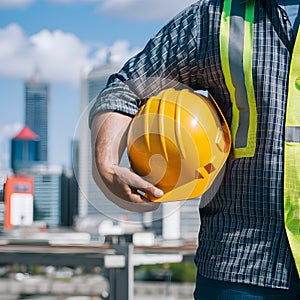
36,111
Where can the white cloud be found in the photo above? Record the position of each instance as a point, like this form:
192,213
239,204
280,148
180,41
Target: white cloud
60,56
10,130
24,3
15,3
15,51
144,9
117,53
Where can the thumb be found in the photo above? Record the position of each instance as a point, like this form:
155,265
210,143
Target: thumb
137,182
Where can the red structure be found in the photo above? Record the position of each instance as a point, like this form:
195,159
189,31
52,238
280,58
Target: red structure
26,134
18,198
25,147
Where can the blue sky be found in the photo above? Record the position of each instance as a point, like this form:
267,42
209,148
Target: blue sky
65,38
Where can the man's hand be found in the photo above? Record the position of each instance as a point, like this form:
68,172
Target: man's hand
119,184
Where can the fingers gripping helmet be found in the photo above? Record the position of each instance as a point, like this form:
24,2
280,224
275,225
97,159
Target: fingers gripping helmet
178,141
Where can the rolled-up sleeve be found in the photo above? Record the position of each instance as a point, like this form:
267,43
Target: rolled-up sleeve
170,58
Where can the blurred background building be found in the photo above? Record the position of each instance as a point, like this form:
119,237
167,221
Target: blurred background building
34,191
36,111
25,150
66,197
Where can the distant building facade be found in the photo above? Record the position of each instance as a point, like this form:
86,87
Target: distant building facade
36,111
47,197
69,199
25,150
55,196
55,191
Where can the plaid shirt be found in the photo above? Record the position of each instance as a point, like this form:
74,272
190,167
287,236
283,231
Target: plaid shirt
242,236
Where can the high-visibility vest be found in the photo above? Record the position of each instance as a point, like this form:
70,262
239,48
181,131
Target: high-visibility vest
236,59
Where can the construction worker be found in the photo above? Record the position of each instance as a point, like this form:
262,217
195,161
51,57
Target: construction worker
246,54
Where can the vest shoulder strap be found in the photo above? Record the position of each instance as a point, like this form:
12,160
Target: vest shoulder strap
236,60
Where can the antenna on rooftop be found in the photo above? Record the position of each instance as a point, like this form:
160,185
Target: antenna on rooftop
36,77
108,57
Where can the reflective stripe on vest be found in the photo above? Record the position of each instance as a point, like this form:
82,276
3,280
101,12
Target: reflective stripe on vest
292,156
236,60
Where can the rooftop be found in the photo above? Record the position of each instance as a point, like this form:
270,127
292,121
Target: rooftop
26,134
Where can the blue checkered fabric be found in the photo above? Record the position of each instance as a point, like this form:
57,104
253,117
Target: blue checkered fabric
242,236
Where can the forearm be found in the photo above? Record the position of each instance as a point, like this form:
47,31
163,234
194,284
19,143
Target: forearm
109,133
119,184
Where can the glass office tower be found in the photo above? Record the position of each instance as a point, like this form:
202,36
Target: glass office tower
36,111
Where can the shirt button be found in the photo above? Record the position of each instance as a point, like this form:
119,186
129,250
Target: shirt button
297,83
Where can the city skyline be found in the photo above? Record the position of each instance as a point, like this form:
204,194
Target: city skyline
65,39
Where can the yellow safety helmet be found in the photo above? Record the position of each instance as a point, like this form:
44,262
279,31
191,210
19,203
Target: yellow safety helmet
179,141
